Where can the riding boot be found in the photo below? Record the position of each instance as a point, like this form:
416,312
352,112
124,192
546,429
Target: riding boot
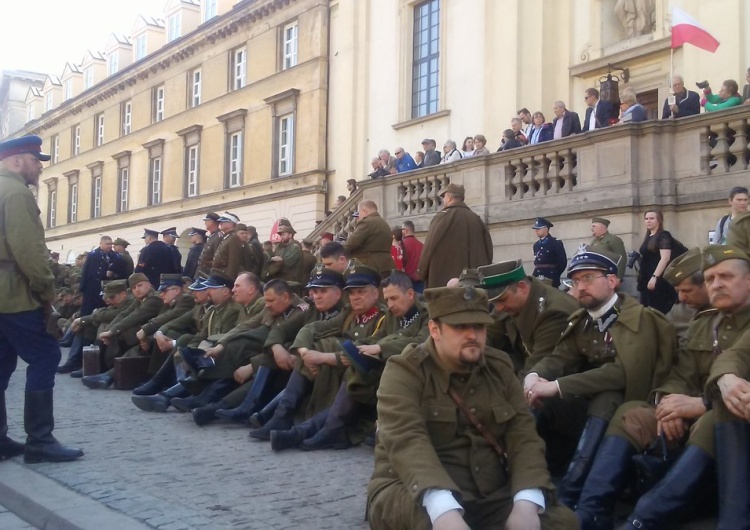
252,402
575,476
260,418
732,441
8,447
283,418
39,421
75,356
159,402
293,437
67,339
212,393
207,413
333,434
595,509
674,492
163,378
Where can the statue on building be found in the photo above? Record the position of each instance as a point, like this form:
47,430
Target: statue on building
636,16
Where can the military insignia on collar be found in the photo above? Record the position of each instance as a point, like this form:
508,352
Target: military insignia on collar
319,269
468,294
541,304
352,265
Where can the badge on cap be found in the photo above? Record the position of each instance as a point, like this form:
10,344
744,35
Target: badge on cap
352,265
469,294
319,269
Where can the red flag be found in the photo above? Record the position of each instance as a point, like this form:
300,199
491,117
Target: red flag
687,29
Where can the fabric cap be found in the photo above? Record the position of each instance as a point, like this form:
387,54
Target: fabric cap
683,267
82,255
358,275
497,277
227,217
198,285
114,287
351,181
600,220
286,229
197,231
323,277
137,278
148,232
593,258
211,216
25,144
454,189
169,280
241,226
714,254
120,241
458,305
170,232
217,280
468,278
54,254
428,141
541,222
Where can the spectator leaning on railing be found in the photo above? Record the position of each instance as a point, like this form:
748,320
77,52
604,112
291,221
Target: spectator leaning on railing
727,97
404,161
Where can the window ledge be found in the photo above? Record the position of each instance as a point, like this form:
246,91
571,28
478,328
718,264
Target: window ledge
423,119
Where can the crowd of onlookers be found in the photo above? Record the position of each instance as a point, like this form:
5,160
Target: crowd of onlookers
527,128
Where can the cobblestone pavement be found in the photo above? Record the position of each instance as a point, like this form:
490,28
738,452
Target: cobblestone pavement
168,473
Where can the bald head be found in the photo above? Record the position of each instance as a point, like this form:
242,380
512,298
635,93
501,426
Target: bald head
366,208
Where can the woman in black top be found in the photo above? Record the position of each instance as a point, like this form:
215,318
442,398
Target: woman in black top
656,253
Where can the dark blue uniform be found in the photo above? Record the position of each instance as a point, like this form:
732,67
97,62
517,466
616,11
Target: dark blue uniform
156,259
94,271
191,264
550,259
176,257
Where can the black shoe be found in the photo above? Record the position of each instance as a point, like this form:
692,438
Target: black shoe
100,382
10,448
281,440
77,374
155,403
327,439
39,421
67,368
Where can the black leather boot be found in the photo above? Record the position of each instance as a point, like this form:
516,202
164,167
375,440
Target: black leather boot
263,416
333,434
8,447
98,382
75,356
595,509
252,402
293,437
163,378
39,421
283,418
732,441
207,414
674,492
575,476
212,393
159,402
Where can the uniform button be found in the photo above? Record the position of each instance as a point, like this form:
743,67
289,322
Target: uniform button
473,410
414,487
356,334
596,342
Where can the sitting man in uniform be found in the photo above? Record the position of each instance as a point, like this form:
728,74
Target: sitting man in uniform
614,350
636,425
405,322
457,447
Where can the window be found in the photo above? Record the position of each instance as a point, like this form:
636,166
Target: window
238,63
55,148
290,46
123,179
113,62
141,43
191,136
126,114
286,145
194,91
155,160
98,130
75,140
68,89
72,196
30,112
235,159
48,101
424,92
96,196
209,9
88,78
157,111
52,209
173,29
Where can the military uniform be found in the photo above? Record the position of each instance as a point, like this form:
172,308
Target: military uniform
156,259
550,259
739,232
228,257
206,260
94,271
615,245
370,243
128,267
289,267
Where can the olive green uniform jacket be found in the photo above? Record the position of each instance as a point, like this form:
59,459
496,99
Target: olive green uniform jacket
138,313
637,359
733,334
206,259
739,232
128,259
179,306
541,322
425,443
102,317
613,244
26,281
289,267
228,258
183,329
219,319
370,243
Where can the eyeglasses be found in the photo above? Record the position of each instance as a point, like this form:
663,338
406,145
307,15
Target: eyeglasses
585,280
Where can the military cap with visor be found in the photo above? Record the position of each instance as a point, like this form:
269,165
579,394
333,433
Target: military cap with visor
325,277
595,259
715,254
120,241
458,305
683,267
497,277
31,144
137,278
172,231
169,280
358,275
217,280
454,189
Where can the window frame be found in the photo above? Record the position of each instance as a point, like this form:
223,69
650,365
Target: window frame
158,104
52,208
113,63
155,165
55,141
123,189
195,87
288,159
126,118
99,129
141,46
88,77
174,32
75,140
289,57
425,67
238,79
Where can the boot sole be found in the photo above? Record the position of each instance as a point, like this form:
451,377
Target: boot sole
148,406
96,385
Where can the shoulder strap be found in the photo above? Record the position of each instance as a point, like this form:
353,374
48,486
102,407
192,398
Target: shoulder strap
478,426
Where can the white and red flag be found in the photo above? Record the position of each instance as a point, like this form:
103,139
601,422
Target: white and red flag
686,29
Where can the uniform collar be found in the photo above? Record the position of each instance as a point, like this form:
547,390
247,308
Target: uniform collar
363,319
444,375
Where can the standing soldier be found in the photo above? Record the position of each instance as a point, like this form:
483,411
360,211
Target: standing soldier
58,271
198,239
286,260
124,265
228,257
250,261
155,258
95,270
206,261
170,236
27,290
606,241
370,243
549,253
